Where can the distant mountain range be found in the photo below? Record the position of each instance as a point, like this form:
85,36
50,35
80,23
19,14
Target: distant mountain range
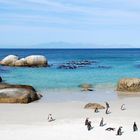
67,45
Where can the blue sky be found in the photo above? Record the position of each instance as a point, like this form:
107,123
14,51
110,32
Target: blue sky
104,22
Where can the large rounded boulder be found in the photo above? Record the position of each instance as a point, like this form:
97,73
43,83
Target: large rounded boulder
9,60
94,106
36,60
129,85
17,93
29,61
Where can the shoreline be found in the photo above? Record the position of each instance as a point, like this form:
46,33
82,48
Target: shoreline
76,94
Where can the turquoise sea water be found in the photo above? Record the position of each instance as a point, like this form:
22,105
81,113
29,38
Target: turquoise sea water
111,65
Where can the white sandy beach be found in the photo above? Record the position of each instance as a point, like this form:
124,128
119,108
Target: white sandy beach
26,122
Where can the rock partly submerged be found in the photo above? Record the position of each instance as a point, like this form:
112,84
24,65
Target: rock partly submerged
129,85
9,60
94,106
17,93
104,67
86,87
76,64
0,79
29,61
36,60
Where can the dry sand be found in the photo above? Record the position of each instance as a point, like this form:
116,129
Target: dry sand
26,122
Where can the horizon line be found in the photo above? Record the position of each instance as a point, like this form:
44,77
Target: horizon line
71,48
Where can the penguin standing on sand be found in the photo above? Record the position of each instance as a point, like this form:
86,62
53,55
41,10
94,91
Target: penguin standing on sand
86,121
102,122
96,110
123,107
107,108
119,132
89,127
50,118
135,128
107,105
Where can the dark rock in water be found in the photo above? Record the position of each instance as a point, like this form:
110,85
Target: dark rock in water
17,93
50,65
81,62
76,64
104,67
0,79
67,67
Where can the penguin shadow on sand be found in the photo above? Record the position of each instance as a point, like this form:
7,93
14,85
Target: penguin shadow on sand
110,129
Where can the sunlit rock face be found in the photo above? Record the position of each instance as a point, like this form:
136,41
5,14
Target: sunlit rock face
29,61
129,85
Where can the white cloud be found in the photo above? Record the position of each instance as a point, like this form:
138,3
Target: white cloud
58,11
90,17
